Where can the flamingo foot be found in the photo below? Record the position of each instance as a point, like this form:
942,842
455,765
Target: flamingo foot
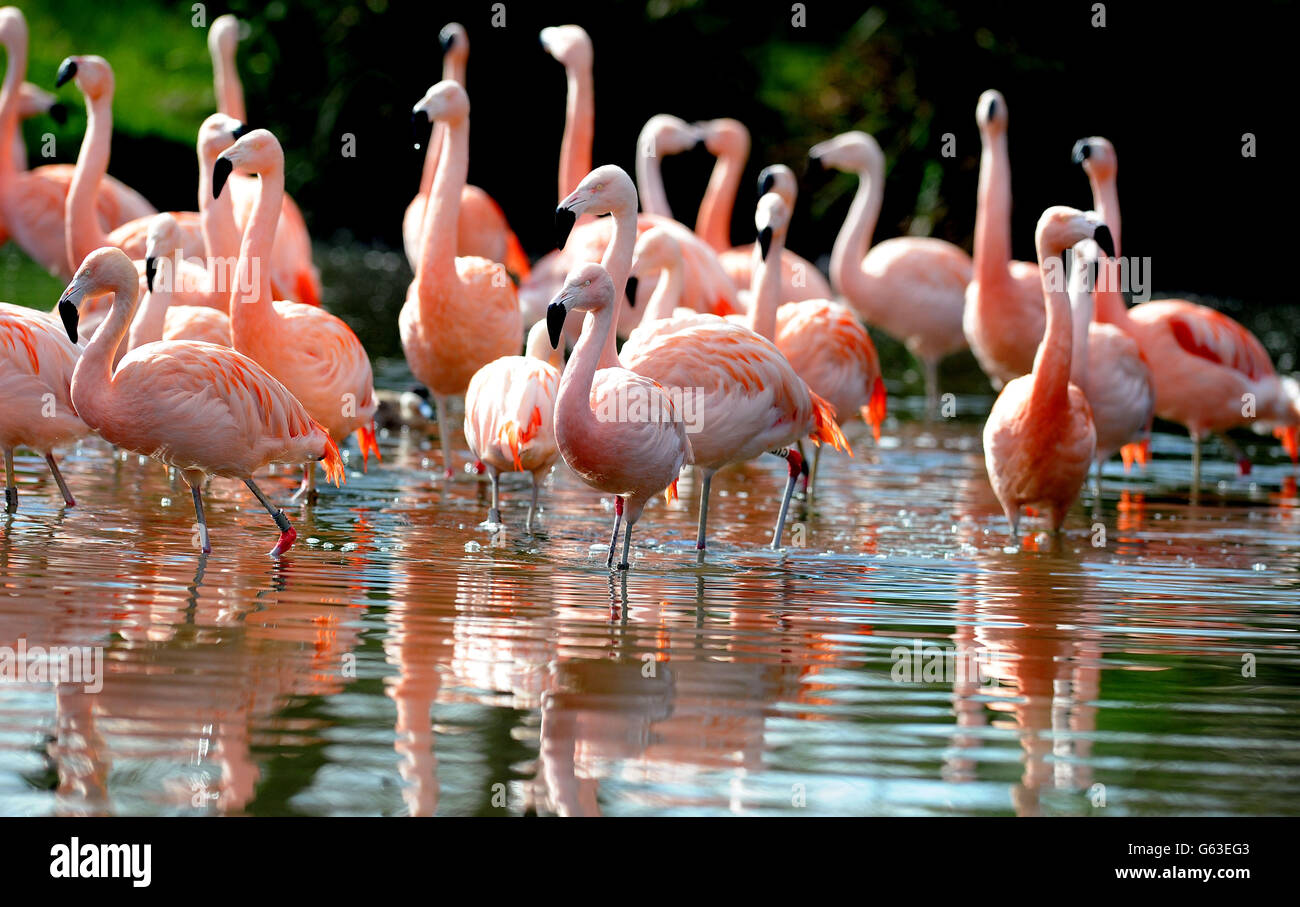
287,538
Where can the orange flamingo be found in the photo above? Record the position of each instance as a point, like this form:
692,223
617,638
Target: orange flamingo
293,276
1039,440
634,460
36,365
481,230
32,201
461,312
313,353
510,416
911,287
1004,309
1210,373
203,409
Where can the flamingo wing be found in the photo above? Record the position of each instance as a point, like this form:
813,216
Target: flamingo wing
1211,335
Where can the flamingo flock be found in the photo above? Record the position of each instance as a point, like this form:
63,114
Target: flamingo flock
198,338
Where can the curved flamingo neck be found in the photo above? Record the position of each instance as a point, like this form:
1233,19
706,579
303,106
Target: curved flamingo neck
151,313
251,309
15,72
94,372
713,223
454,72
1111,308
1081,308
854,238
1051,375
221,238
1105,201
766,283
617,260
229,90
649,178
667,294
993,211
82,233
573,401
579,128
437,263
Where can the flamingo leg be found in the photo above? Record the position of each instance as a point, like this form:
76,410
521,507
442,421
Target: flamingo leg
704,511
812,474
58,480
196,489
797,466
308,486
1196,464
444,435
1243,461
931,367
287,533
11,488
532,506
627,544
613,539
494,512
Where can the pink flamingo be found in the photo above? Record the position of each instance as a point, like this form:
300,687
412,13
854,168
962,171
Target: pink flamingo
911,287
33,101
293,276
32,201
634,460
1107,365
752,400
728,141
167,313
36,365
510,416
202,409
461,312
1039,440
313,353
1205,366
482,230
1004,307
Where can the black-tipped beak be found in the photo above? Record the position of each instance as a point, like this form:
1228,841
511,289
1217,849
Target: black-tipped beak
421,129
815,165
59,112
767,181
632,284
68,312
150,269
67,69
241,130
1103,238
564,221
1082,151
764,241
447,40
555,314
220,173
991,111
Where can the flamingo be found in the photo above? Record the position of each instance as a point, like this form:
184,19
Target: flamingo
461,312
164,310
293,276
36,365
313,353
728,141
1039,441
748,395
634,460
510,416
1107,365
1205,366
202,409
482,230
32,201
34,101
1004,307
911,287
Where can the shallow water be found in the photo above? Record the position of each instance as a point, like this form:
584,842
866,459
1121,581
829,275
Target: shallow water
402,659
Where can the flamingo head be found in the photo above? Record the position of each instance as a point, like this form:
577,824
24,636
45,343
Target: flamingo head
455,42
1097,155
656,249
34,100
162,240
665,134
568,44
223,36
218,133
445,101
771,218
780,179
606,190
1062,227
105,270
257,151
991,112
13,27
851,152
93,75
588,288
724,137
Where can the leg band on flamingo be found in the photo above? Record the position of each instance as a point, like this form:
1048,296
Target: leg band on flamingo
288,535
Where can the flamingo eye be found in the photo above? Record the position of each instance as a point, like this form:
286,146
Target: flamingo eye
586,283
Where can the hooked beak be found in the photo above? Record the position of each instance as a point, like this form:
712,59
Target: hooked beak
67,69
421,129
764,241
1082,151
1103,239
220,173
555,315
58,113
564,221
68,312
632,284
767,181
150,269
241,130
447,40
